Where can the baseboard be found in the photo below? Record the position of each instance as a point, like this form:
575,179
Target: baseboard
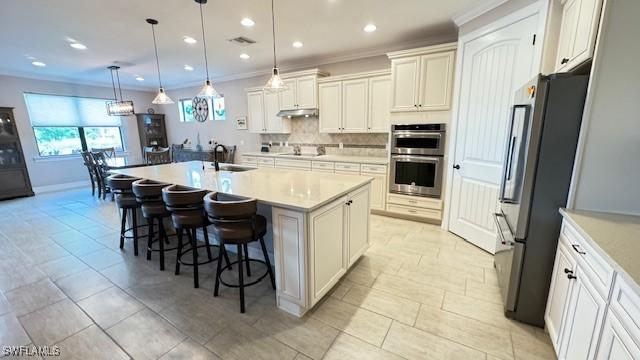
60,187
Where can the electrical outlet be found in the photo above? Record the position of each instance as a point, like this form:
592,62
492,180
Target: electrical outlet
340,146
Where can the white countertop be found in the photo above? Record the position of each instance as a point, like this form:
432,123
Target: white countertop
293,189
617,236
379,160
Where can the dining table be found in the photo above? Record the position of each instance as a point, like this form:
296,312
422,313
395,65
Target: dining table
124,162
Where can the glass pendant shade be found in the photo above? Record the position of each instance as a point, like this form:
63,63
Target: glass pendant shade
275,83
120,108
208,91
162,98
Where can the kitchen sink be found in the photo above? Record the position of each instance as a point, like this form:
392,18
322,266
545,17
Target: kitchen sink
234,168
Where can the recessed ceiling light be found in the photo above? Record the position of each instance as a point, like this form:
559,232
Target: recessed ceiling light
370,28
188,68
244,56
139,78
297,44
78,46
38,63
189,40
247,22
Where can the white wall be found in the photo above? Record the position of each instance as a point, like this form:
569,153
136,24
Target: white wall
67,170
236,105
608,176
493,15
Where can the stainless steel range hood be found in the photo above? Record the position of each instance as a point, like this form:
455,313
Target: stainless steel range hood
298,113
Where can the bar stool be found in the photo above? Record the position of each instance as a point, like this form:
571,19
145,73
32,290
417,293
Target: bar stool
149,195
121,186
237,223
186,207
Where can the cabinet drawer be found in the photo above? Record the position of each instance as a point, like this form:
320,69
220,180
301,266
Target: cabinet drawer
293,164
415,201
414,211
266,162
598,269
354,167
249,160
370,168
625,302
322,165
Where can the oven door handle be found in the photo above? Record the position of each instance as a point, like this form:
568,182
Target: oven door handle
413,158
416,134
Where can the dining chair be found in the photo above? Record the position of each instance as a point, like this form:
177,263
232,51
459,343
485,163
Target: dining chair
175,151
159,156
91,168
109,152
102,172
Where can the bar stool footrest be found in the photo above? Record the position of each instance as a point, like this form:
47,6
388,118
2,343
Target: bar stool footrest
190,249
266,272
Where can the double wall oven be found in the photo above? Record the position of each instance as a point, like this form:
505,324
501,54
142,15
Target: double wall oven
417,162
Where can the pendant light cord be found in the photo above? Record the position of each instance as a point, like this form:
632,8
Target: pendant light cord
114,85
155,46
273,32
204,43
119,88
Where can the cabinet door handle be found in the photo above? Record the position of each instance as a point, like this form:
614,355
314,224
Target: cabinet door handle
456,166
576,247
571,277
420,105
567,271
564,61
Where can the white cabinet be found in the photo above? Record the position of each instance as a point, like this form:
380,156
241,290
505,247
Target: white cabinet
262,107
343,226
414,206
561,284
355,103
422,79
327,257
255,111
616,343
379,104
330,106
301,93
586,309
580,19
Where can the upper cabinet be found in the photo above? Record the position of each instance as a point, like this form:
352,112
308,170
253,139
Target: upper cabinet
422,79
263,106
578,32
355,103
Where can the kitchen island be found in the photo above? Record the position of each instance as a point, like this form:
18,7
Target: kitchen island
318,224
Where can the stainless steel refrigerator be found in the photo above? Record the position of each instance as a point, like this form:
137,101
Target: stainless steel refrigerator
540,150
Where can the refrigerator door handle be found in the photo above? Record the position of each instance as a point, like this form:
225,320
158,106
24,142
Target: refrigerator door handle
502,239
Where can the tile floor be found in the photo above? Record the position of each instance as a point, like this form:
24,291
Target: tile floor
418,293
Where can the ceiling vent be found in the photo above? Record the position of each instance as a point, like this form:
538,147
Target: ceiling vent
242,41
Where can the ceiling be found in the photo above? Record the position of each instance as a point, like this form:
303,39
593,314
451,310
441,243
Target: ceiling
116,31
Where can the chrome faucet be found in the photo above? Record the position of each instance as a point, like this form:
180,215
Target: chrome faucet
215,155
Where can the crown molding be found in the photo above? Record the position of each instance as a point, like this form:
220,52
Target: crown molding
360,75
63,79
315,62
475,12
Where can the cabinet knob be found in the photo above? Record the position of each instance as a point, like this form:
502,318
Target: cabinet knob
567,271
420,105
571,277
564,61
456,166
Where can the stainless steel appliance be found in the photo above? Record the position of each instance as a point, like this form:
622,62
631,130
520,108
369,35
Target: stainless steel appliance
417,159
540,150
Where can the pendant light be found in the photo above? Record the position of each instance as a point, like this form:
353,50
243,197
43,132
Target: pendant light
161,98
118,107
275,83
207,90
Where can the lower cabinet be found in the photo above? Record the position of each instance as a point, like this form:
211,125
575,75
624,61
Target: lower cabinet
590,314
343,226
615,342
586,309
378,190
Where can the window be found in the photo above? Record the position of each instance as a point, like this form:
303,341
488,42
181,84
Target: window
67,125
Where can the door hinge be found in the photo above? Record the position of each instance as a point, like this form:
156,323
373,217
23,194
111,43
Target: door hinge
533,42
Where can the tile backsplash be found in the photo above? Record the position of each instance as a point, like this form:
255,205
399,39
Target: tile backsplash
305,132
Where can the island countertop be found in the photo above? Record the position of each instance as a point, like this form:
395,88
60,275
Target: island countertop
292,189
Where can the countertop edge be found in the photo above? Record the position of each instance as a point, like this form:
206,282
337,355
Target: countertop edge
332,157
633,283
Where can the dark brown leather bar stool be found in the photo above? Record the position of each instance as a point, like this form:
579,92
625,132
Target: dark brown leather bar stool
187,214
121,186
237,223
149,195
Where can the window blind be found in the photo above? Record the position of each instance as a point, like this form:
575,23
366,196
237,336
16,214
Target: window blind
59,110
